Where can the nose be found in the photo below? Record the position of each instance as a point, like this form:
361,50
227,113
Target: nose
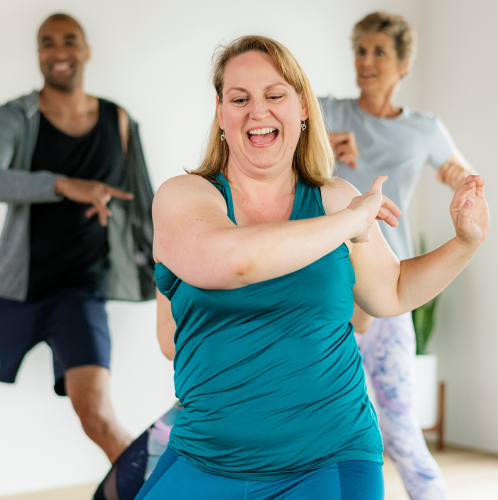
58,52
368,58
258,108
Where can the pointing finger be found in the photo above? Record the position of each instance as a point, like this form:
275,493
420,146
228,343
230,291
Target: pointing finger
117,193
377,184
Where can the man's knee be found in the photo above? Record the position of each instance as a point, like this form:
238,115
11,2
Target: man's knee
87,387
94,418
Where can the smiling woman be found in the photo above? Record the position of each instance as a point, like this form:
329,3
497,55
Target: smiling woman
260,254
313,158
371,137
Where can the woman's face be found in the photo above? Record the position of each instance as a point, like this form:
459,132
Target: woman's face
377,66
260,114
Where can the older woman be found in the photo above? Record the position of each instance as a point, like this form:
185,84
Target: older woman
372,137
260,252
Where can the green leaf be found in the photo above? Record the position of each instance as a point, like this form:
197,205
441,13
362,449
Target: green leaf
424,316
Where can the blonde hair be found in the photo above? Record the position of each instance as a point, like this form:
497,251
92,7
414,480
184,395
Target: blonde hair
394,25
313,158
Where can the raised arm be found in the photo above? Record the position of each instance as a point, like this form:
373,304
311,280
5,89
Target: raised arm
196,240
166,326
385,287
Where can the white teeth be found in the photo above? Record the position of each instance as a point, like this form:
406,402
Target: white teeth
261,131
61,66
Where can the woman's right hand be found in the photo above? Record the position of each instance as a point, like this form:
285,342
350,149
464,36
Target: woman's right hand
371,206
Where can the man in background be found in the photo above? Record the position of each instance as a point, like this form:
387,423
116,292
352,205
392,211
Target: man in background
63,156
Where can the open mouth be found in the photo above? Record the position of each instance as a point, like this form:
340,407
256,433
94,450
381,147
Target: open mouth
61,68
262,136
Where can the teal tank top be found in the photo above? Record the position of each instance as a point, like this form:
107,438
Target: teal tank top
269,375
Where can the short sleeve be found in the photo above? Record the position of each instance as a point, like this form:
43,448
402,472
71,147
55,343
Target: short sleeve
441,144
327,105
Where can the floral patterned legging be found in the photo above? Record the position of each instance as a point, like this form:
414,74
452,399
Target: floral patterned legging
388,350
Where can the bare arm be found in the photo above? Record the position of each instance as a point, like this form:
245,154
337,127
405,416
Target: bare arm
454,170
385,287
124,128
360,319
166,326
196,240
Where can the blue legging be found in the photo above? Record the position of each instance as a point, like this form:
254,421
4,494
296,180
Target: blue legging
175,478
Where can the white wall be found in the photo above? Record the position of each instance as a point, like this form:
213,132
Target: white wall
153,57
457,62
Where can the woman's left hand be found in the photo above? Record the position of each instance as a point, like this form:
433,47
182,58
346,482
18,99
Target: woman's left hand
470,213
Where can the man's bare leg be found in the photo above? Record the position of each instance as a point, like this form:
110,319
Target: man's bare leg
88,389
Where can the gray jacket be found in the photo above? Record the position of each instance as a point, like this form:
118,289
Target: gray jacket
130,228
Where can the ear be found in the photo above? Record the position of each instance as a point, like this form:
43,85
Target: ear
404,66
219,113
88,53
304,106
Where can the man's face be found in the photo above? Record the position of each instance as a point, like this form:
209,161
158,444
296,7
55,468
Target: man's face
62,52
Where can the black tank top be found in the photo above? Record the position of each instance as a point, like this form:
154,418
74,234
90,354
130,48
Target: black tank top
67,248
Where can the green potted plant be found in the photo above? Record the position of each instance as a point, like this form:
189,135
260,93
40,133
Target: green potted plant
425,364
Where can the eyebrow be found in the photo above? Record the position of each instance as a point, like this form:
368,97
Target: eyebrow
266,88
48,38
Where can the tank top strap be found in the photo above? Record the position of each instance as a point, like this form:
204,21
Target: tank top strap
308,202
225,190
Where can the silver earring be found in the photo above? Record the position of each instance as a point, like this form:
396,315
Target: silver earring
303,126
223,136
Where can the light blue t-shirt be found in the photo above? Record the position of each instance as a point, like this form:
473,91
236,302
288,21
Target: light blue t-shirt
398,147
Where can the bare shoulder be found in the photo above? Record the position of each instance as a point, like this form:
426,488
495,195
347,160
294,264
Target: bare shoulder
338,196
124,128
187,189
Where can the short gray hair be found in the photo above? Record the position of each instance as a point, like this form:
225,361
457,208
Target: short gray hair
394,25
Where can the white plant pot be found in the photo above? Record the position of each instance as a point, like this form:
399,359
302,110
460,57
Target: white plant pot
425,390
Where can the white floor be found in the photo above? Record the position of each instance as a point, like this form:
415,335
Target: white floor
470,476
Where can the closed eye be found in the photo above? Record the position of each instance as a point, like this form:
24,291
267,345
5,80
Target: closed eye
241,101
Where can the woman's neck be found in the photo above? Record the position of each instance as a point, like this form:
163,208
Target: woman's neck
271,180
379,104
263,198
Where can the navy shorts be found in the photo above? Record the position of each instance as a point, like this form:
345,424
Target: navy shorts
73,322
175,478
